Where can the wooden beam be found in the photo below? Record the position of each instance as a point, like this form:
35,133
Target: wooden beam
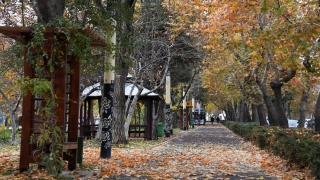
69,145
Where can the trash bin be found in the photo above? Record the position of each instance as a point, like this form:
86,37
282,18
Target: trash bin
160,129
192,123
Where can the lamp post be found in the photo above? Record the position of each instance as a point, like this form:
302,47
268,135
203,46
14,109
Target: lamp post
168,107
199,119
192,107
107,103
184,108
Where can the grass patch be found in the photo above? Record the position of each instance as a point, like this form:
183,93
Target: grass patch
7,173
5,135
9,148
87,166
176,131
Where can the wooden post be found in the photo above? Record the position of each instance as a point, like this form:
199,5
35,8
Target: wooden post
80,150
27,116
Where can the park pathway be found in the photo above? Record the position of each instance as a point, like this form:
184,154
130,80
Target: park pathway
208,151
221,154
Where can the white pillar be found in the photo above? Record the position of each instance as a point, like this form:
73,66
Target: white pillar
184,108
107,102
168,105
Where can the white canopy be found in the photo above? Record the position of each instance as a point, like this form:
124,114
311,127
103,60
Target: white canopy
128,88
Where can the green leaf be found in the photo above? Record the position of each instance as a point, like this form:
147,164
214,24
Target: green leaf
264,7
281,10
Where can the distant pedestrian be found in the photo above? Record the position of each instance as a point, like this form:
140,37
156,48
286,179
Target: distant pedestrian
212,119
218,119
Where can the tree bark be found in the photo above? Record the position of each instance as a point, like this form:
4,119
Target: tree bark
118,134
48,10
283,121
262,116
233,110
124,23
157,105
12,113
242,112
303,107
14,128
247,113
317,115
131,110
255,115
272,113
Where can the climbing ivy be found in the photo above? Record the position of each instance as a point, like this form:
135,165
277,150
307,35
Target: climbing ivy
46,54
51,136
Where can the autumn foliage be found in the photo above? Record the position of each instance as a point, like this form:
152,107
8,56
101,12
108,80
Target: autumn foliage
168,160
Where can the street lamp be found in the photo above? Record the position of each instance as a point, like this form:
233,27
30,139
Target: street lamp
184,108
107,103
193,107
168,99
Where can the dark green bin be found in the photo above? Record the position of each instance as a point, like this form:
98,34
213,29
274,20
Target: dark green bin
160,129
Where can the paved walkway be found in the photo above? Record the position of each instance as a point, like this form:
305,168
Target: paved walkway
206,152
231,154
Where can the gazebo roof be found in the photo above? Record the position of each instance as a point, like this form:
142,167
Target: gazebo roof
128,87
17,32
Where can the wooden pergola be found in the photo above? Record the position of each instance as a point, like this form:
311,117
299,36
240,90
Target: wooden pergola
66,88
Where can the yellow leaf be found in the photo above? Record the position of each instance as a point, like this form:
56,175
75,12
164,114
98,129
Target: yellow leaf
253,53
237,37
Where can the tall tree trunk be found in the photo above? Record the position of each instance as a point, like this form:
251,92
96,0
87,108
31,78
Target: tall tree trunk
91,118
272,113
233,112
118,131
241,111
131,110
286,107
156,117
247,113
317,115
12,113
124,23
261,114
229,113
283,121
48,10
255,115
14,128
303,107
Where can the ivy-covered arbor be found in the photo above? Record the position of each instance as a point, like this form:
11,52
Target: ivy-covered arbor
65,84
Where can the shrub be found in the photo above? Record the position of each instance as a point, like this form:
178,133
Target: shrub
299,146
5,134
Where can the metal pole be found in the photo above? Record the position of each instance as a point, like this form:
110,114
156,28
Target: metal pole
107,103
184,108
199,119
193,107
168,107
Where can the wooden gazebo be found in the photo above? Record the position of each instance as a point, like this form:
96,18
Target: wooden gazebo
66,88
87,130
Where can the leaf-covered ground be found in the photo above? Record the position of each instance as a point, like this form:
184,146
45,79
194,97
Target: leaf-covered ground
206,152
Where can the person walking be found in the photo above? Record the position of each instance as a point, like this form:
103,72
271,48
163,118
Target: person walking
218,119
212,119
